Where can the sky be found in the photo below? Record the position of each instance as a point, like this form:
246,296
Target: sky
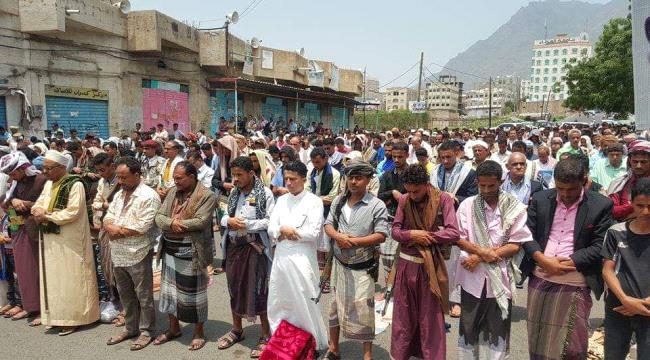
383,36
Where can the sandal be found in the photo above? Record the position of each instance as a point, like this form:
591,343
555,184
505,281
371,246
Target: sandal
119,321
19,316
166,336
14,310
35,322
141,343
124,335
259,348
331,356
5,308
230,339
196,344
67,330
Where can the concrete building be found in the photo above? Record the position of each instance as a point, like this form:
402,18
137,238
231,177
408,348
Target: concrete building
504,89
397,98
477,104
98,70
444,98
550,59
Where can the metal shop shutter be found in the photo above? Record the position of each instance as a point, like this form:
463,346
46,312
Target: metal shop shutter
3,112
276,109
85,115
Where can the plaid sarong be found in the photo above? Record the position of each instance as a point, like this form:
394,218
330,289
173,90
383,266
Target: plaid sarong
183,291
558,319
353,305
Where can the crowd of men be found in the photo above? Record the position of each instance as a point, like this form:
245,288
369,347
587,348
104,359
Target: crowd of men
448,222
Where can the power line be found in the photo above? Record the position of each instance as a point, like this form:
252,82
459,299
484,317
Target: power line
459,71
247,7
251,9
400,76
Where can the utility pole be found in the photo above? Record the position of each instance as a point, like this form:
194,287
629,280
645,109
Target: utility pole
490,103
420,84
365,99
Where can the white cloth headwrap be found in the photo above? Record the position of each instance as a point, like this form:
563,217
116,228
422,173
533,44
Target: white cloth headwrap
13,161
57,157
481,143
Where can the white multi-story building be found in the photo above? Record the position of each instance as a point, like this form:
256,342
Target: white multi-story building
397,98
549,65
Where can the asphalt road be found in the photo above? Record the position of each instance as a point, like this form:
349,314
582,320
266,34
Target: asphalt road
19,341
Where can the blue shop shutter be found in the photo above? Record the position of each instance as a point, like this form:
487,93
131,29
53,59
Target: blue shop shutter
3,112
85,115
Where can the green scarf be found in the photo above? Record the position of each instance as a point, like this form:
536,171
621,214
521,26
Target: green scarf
59,200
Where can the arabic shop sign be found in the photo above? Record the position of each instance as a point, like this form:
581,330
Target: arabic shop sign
74,92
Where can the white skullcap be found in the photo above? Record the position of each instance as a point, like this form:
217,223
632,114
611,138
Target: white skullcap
481,143
57,157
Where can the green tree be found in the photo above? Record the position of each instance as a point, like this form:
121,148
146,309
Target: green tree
383,120
605,81
508,108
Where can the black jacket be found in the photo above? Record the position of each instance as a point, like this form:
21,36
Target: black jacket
468,188
593,219
388,182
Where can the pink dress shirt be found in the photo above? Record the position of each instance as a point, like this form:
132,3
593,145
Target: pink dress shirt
561,242
473,282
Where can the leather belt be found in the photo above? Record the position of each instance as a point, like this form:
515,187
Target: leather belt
415,259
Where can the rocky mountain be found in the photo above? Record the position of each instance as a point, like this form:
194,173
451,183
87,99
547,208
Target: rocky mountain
508,50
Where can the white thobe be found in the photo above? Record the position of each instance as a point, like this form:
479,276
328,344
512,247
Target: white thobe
294,276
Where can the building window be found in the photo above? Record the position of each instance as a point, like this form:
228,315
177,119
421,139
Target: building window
545,70
545,79
574,51
537,71
539,53
536,88
553,79
546,62
544,88
564,51
548,52
554,61
554,70
539,62
556,52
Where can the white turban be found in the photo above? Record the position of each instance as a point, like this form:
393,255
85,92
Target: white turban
481,143
57,157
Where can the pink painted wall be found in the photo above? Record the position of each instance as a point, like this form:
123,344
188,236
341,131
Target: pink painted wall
165,107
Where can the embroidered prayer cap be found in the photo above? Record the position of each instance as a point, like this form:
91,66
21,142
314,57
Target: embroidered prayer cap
57,157
150,143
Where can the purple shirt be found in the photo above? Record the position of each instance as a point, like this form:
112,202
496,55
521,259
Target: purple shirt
473,282
448,233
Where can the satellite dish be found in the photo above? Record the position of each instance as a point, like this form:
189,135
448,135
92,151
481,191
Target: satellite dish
124,6
232,18
255,43
301,52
